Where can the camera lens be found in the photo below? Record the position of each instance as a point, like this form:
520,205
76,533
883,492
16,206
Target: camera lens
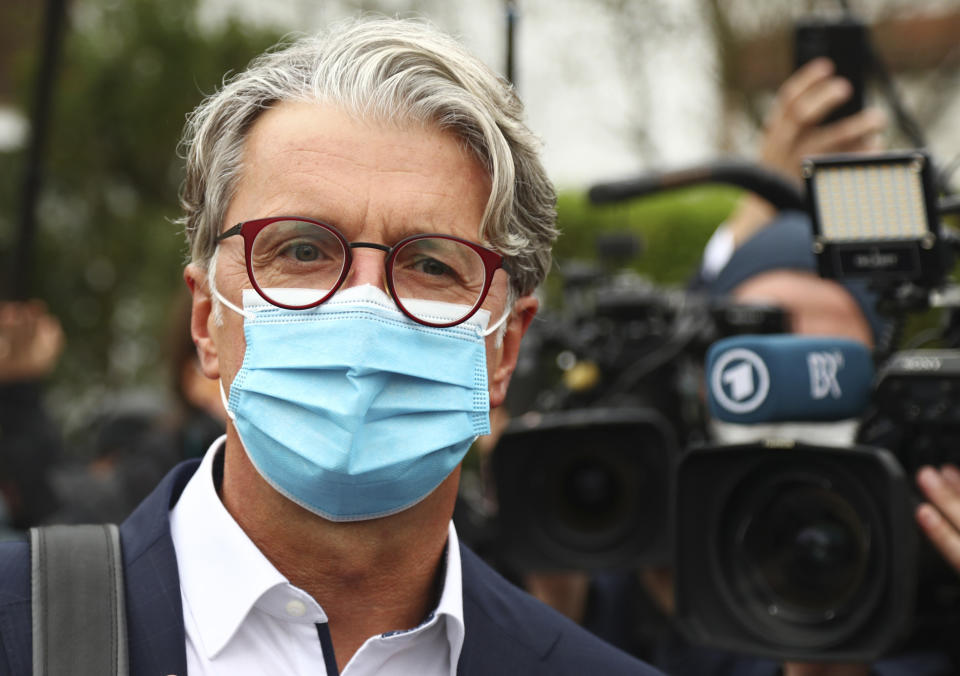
584,489
590,495
595,497
590,501
808,549
798,547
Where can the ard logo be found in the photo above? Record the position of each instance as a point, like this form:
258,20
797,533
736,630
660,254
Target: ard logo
740,381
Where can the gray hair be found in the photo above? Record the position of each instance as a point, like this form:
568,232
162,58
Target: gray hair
398,71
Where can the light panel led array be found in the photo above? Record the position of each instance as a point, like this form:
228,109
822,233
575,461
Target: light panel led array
870,202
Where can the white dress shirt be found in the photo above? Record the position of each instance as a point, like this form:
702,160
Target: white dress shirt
717,253
242,616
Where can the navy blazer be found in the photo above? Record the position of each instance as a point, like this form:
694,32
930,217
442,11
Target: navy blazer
507,630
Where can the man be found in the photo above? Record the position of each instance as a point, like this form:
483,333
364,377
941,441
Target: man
367,219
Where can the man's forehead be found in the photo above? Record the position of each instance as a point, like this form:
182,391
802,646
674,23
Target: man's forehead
295,124
319,161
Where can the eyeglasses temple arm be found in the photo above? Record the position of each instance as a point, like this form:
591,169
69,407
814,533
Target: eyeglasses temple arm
235,230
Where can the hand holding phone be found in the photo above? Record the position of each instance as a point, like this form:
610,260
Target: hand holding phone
817,111
796,126
845,44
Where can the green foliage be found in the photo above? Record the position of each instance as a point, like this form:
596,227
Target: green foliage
673,228
109,254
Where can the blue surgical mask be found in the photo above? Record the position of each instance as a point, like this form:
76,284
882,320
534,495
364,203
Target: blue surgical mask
351,409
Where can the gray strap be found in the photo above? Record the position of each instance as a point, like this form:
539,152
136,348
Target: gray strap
79,618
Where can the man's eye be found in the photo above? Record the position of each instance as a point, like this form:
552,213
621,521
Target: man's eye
431,266
306,252
302,252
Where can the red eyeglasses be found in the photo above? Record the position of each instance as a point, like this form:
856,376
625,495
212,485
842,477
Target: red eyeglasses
298,263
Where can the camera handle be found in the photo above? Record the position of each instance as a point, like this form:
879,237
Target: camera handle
772,186
784,194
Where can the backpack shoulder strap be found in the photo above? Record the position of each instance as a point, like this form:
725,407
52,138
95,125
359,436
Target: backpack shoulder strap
79,617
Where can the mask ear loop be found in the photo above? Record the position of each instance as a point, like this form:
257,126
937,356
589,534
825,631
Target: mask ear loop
497,324
212,280
223,398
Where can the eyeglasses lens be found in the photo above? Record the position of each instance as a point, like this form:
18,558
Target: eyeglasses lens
297,263
437,269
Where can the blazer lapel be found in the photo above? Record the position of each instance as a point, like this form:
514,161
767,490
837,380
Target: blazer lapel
152,584
501,624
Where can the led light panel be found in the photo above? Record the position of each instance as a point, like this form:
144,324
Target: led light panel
872,202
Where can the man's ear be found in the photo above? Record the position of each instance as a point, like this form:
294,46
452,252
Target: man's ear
202,322
506,355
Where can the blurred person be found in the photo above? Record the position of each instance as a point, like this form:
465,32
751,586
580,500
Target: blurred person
31,341
7,531
786,273
368,218
101,479
116,457
792,131
779,257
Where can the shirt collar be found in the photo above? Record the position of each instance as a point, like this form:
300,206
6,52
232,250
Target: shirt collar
205,538
223,574
451,599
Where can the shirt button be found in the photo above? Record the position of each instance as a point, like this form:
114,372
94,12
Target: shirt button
296,609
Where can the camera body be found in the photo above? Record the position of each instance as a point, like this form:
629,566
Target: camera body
750,583
915,415
810,552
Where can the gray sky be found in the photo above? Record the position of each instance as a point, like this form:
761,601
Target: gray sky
580,89
609,94
613,87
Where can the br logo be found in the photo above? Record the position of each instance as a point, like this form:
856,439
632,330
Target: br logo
740,381
824,367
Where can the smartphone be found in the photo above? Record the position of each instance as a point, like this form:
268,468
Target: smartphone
845,43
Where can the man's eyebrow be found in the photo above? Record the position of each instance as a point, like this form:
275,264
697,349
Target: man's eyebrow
394,233
414,229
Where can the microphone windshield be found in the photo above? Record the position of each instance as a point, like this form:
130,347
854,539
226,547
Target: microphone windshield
787,378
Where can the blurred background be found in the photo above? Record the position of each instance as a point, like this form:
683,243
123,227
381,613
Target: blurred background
89,173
